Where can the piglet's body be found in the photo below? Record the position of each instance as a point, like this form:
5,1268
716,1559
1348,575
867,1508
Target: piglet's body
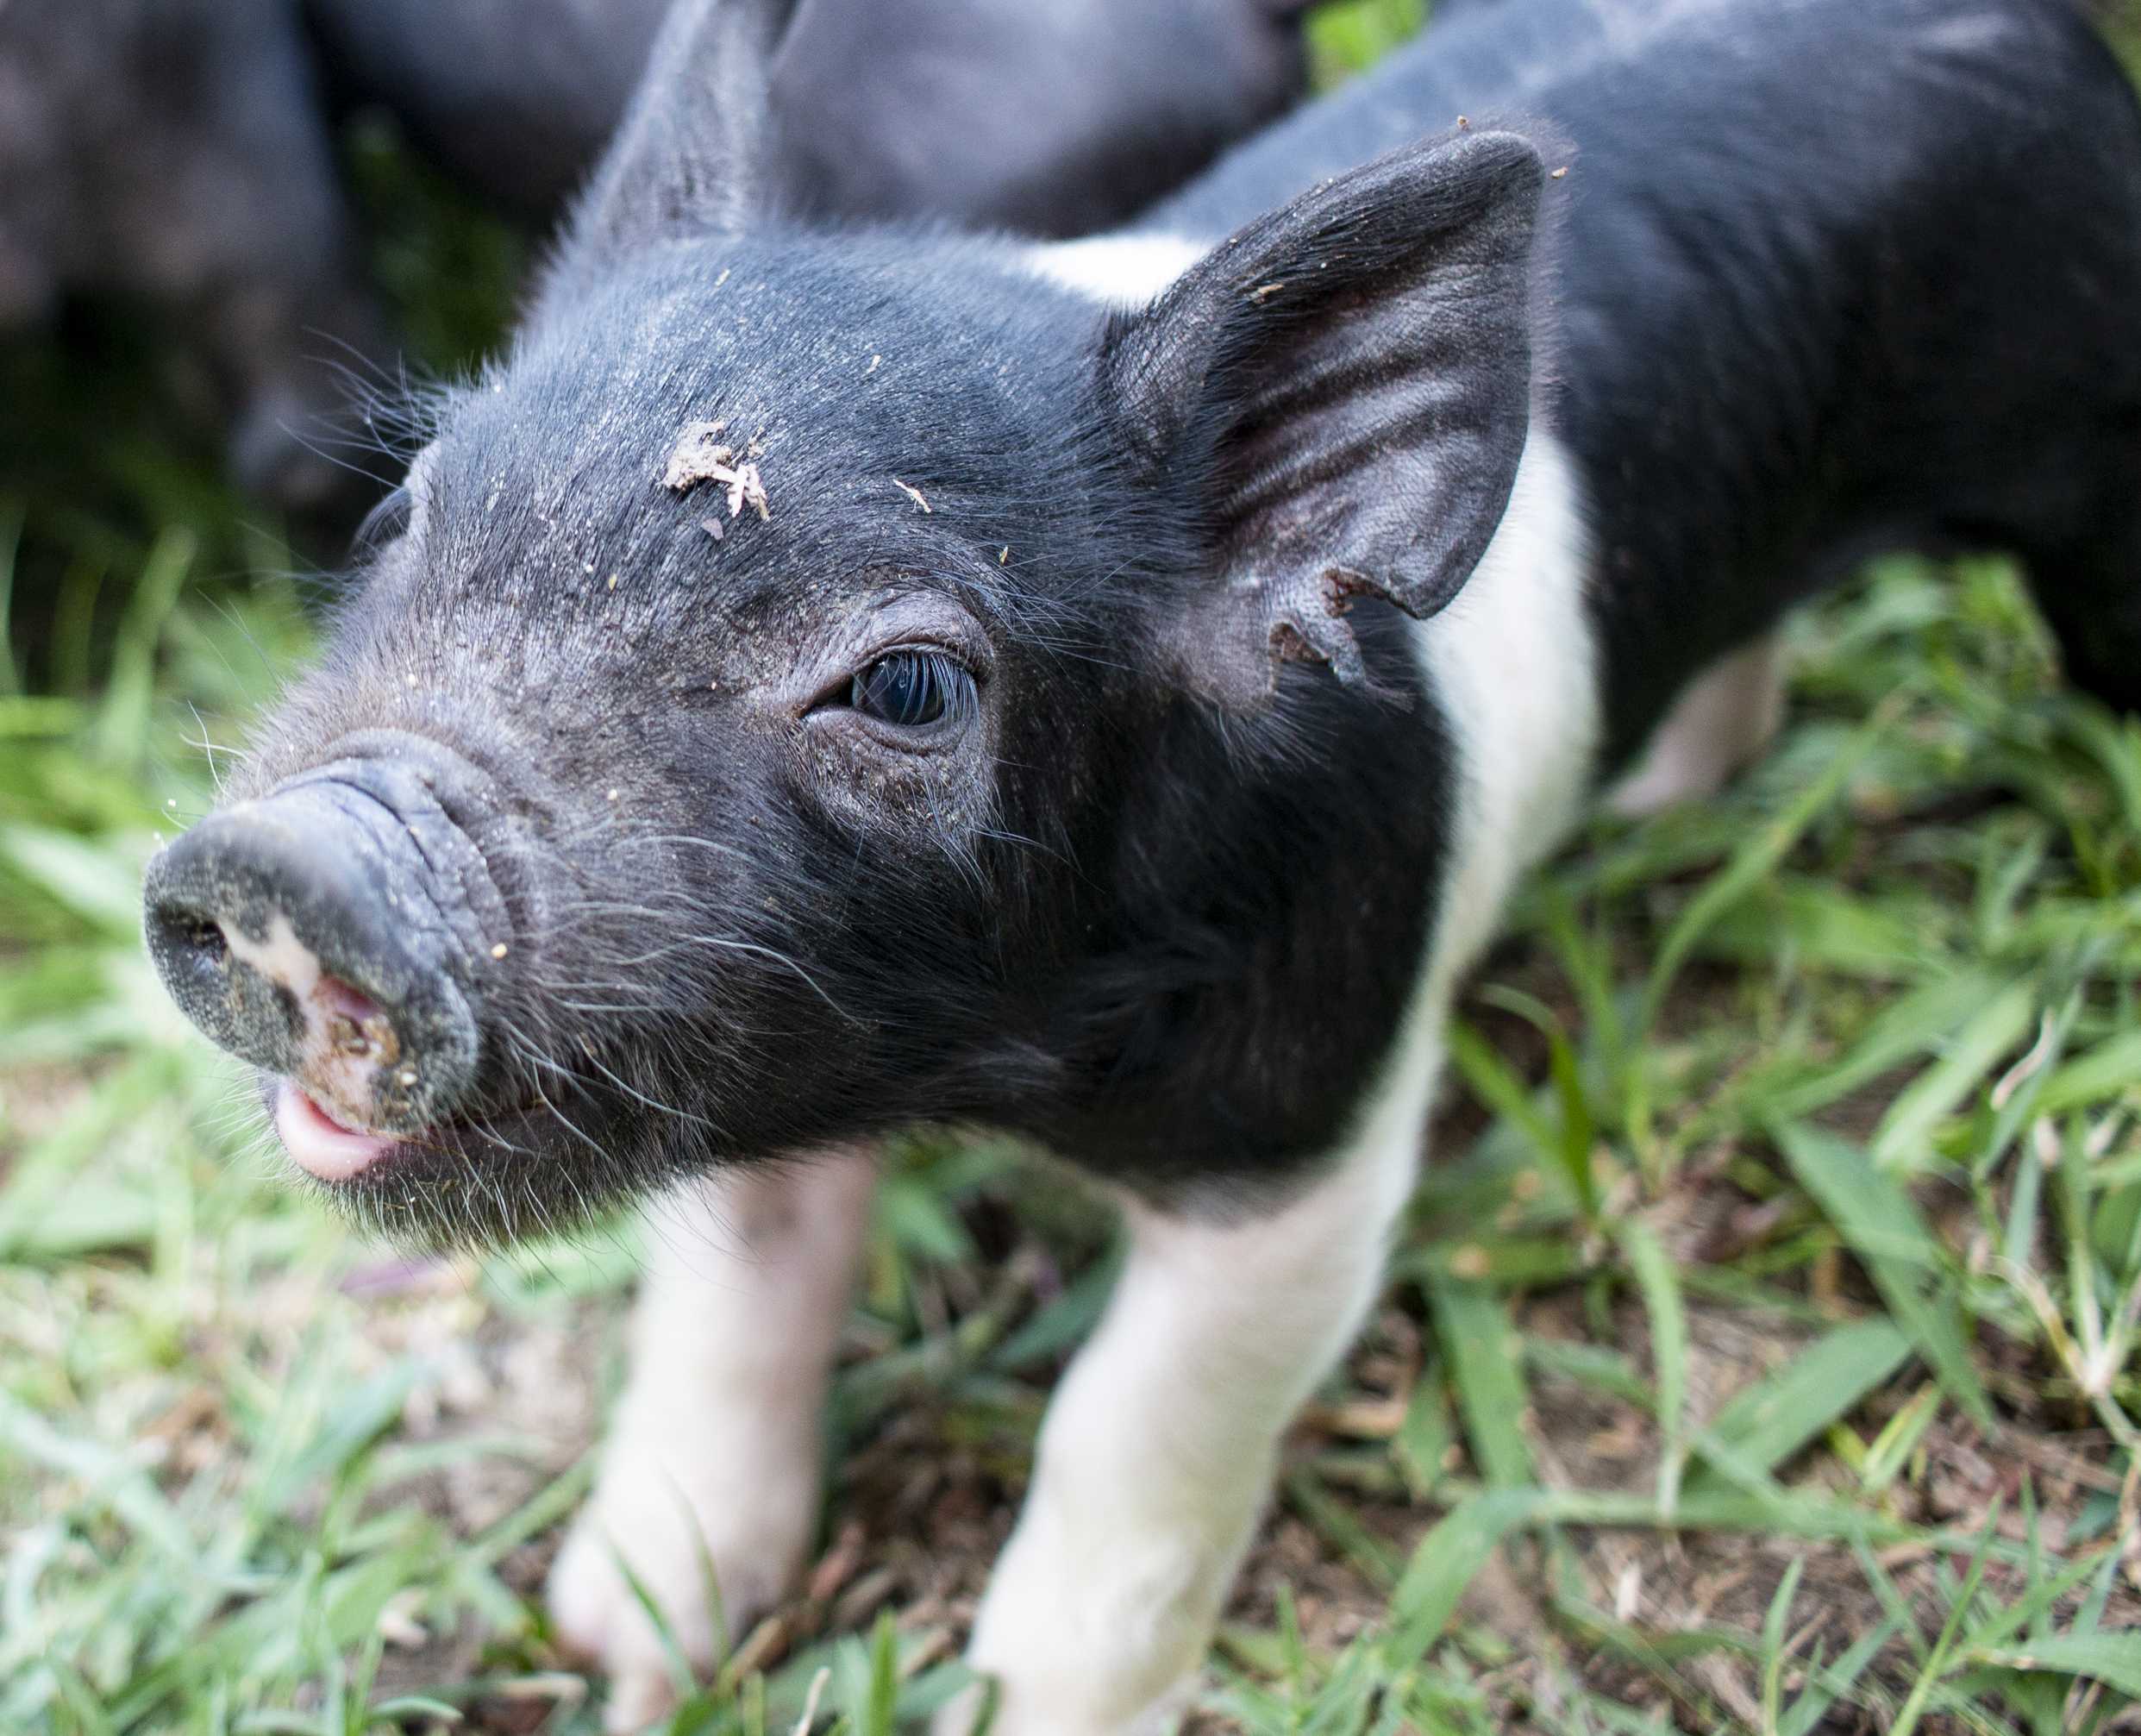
1106,691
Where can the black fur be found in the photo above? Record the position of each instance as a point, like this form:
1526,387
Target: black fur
1051,116
513,98
179,153
1357,371
1097,920
172,153
1054,119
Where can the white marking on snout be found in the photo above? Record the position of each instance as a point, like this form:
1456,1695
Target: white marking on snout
1126,271
343,1046
282,957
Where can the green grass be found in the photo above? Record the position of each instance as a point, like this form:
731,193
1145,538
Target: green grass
1760,1356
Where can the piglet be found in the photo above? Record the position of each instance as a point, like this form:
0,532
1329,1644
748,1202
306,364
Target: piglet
832,680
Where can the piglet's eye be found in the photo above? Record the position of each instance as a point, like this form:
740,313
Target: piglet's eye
913,690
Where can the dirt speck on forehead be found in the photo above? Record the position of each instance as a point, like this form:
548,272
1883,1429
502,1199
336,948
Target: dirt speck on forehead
701,455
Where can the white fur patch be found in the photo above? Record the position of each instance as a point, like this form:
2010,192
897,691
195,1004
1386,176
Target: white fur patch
1513,665
1125,270
1159,1449
1161,1442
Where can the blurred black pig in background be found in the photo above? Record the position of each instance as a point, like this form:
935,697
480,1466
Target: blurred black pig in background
178,158
172,156
1051,116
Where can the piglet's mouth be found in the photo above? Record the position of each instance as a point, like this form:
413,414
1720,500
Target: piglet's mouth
321,1146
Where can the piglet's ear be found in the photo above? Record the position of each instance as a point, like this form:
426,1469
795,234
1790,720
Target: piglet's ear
1345,389
695,151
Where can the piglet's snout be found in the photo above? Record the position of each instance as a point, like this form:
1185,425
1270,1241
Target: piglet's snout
343,931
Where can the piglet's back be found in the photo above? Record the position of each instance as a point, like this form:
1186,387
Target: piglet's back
1809,257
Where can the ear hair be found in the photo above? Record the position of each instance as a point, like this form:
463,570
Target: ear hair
696,149
1346,387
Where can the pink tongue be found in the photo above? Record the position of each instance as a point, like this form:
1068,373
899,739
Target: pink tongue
323,1148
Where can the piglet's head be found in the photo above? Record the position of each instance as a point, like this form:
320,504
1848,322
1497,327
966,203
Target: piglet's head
748,727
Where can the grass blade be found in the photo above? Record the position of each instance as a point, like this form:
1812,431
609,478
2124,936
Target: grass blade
1774,1418
1878,1221
1446,1562
2112,1658
1660,1286
1485,1359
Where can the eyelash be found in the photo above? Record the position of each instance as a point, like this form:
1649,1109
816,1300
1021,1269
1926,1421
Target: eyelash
914,690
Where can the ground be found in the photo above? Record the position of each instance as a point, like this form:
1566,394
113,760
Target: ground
1760,1354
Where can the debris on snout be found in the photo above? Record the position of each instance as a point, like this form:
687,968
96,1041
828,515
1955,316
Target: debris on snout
714,527
370,1038
1268,291
1559,173
498,951
700,457
1004,558
914,494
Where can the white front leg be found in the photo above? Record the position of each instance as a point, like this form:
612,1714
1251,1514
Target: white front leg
715,1453
1158,1452
1159,1449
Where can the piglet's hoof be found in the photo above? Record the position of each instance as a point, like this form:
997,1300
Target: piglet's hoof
755,1548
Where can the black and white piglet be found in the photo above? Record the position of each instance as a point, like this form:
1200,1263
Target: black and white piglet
828,681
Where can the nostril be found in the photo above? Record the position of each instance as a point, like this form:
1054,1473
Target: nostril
357,1026
192,939
350,1003
205,939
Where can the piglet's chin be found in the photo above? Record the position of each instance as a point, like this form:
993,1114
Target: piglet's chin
322,1148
